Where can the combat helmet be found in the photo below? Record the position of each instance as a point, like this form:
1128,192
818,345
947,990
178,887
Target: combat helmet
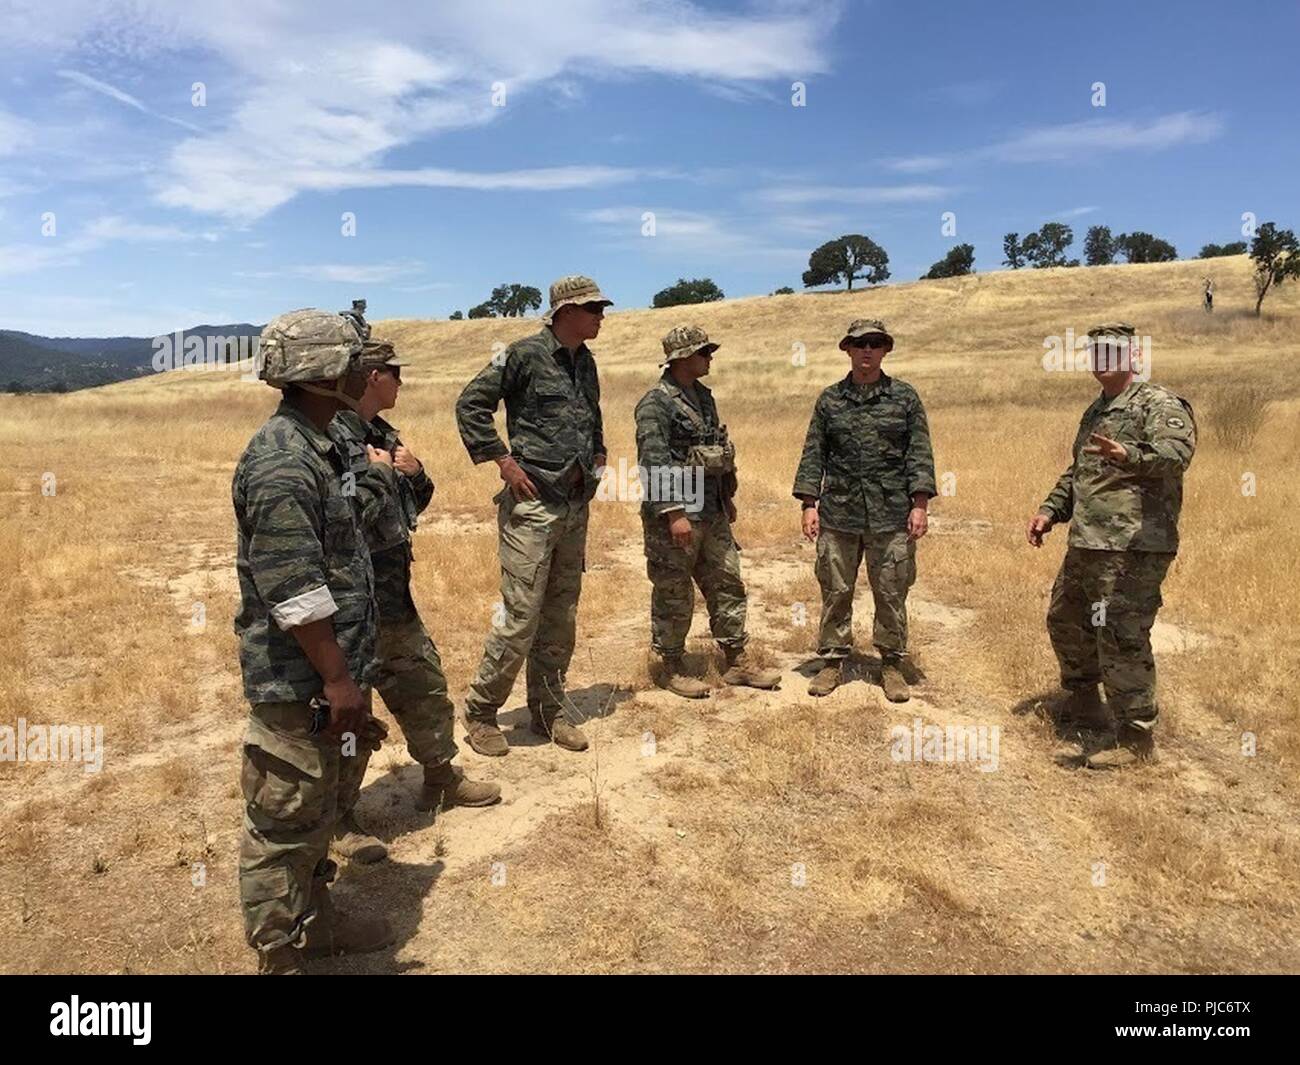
307,347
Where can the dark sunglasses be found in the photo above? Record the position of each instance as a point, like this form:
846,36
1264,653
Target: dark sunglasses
869,342
396,371
593,308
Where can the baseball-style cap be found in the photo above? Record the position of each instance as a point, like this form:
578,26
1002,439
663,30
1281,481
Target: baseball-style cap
574,289
377,353
862,327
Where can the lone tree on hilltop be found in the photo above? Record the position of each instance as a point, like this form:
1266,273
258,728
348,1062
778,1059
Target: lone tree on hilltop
846,259
455,316
960,260
1214,251
1013,250
1276,255
481,310
1142,247
784,290
696,290
1047,247
1099,246
512,301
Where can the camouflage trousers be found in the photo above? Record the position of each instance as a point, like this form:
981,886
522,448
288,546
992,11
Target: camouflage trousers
1103,606
291,784
713,563
413,687
891,571
543,549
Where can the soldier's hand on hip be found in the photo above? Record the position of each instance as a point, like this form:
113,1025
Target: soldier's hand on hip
679,528
349,707
513,474
729,505
1039,526
379,455
918,523
405,462
1111,450
812,524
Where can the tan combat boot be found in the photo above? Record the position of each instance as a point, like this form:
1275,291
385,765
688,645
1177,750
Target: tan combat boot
486,738
893,681
744,673
560,732
828,678
356,844
1135,744
673,679
334,932
280,961
446,786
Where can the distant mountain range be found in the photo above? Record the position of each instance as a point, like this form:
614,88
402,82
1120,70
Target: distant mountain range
31,363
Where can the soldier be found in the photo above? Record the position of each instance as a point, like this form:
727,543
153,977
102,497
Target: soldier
306,628
552,396
683,450
865,482
1121,494
391,490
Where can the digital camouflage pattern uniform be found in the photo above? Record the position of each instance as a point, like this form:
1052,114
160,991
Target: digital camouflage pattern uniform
1123,537
866,453
300,557
409,675
677,434
553,421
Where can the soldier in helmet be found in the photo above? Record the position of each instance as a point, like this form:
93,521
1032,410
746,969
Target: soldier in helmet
686,516
865,481
306,628
551,392
391,490
1121,494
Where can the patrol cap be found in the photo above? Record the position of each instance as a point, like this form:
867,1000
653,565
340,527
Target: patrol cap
684,341
378,352
863,327
574,289
308,345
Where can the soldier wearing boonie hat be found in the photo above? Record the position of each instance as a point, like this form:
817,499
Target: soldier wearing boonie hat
684,453
551,392
1122,495
865,480
306,628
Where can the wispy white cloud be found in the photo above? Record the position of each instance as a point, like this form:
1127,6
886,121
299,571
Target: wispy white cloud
919,164
856,194
679,232
111,91
1073,212
348,273
1080,140
14,131
56,251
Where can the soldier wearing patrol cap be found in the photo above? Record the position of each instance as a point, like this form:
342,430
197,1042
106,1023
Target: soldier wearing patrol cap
1122,495
306,628
865,481
686,516
551,391
391,489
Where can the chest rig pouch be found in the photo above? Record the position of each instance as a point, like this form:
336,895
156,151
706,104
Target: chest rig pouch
710,449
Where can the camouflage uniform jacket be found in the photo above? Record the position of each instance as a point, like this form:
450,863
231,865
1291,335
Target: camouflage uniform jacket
668,425
300,558
388,503
866,454
1133,505
552,414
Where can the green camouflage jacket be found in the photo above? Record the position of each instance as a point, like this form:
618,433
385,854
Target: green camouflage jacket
552,414
866,453
1134,505
301,557
668,425
388,504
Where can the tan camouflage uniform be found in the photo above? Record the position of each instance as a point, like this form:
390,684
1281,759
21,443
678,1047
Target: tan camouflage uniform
1123,537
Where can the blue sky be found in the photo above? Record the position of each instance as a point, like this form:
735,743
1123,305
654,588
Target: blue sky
168,215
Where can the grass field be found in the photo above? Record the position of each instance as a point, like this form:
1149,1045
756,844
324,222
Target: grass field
753,831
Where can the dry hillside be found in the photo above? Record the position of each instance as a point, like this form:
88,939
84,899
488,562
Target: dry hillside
751,832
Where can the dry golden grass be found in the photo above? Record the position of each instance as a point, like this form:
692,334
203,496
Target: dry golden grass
685,859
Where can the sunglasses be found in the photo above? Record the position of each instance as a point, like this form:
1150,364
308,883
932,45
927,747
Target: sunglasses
396,371
869,342
593,308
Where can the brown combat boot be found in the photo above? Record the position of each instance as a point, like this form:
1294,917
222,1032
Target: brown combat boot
560,732
486,738
280,961
743,672
447,785
673,679
893,681
828,678
355,843
1135,744
334,932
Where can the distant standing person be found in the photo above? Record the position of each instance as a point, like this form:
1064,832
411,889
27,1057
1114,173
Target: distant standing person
1122,495
551,391
1209,295
865,482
